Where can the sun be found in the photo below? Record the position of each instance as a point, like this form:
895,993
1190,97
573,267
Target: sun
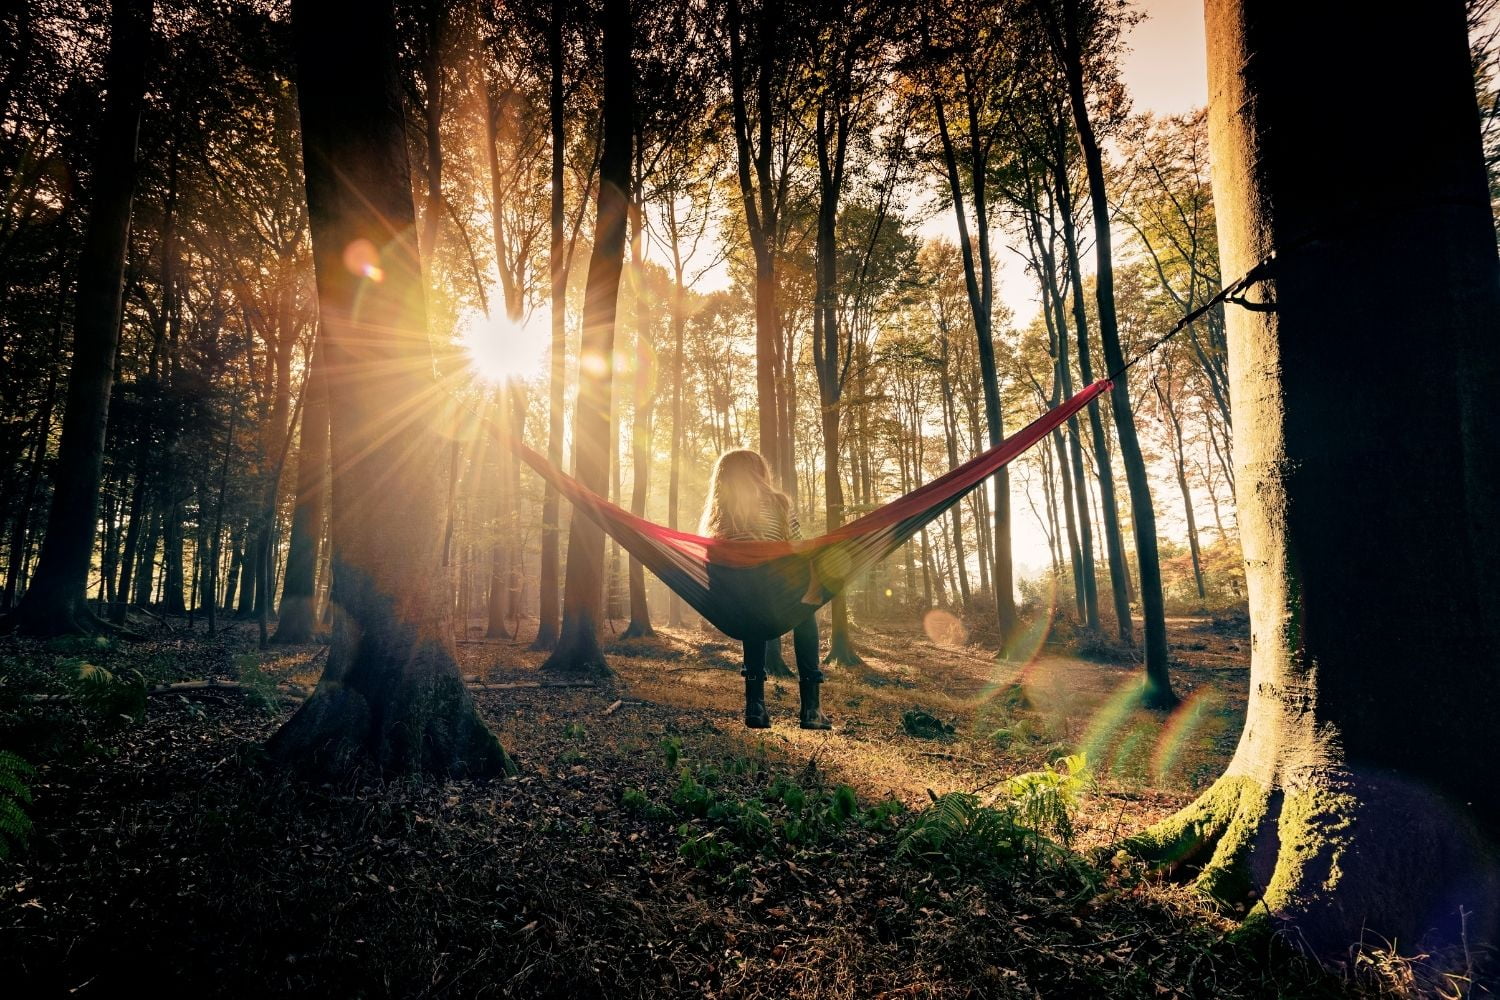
498,349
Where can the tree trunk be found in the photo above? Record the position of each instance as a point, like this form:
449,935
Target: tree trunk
577,650
827,357
56,602
236,563
1354,799
391,696
1157,691
640,429
497,603
20,528
549,611
754,161
1071,471
295,621
1114,544
674,473
981,296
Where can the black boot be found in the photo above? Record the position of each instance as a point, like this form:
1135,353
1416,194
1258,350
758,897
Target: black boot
812,714
756,716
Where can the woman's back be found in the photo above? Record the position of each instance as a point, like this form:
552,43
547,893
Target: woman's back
773,521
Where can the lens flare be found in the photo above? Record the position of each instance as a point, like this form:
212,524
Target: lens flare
1026,645
1110,722
944,628
594,364
362,258
1185,723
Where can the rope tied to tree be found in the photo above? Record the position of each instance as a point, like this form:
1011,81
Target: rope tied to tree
1229,293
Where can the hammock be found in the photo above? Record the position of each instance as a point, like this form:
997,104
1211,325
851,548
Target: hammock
759,590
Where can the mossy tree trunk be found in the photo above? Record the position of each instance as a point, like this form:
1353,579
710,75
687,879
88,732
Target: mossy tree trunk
391,697
1367,462
577,651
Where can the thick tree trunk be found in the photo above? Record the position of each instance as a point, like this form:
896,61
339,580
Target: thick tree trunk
1360,781
549,611
577,650
56,601
295,620
391,696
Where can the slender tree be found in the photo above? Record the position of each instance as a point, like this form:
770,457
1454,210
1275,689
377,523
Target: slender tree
577,648
296,617
1076,29
550,619
56,601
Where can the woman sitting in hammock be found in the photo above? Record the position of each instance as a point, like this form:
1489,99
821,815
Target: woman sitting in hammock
742,505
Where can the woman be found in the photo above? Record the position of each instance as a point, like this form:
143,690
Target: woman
743,506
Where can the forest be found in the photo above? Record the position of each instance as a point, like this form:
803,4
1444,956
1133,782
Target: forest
386,610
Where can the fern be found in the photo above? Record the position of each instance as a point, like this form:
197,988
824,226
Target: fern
15,794
111,697
1045,801
956,835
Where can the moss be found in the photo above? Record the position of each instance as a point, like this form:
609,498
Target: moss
1189,832
1316,829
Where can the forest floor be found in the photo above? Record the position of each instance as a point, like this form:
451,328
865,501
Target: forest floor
651,846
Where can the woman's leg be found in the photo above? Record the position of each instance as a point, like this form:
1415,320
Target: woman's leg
805,643
809,677
756,716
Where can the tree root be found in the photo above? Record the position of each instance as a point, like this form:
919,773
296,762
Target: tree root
1333,858
435,730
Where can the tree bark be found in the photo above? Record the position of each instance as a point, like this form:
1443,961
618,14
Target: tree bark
679,323
1114,544
758,193
56,602
577,650
1157,692
391,698
643,384
979,284
1355,799
295,621
549,611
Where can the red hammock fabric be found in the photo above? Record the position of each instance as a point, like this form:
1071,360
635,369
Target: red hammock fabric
763,589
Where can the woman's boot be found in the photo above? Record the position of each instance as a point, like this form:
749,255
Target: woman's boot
756,716
812,713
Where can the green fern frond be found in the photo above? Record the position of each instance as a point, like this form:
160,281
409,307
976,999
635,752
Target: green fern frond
15,791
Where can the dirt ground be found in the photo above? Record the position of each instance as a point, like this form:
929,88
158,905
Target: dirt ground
168,853
1146,764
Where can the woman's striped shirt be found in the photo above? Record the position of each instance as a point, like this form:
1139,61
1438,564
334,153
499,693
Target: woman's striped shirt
770,524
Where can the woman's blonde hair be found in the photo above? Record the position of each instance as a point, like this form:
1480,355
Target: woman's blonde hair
739,483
